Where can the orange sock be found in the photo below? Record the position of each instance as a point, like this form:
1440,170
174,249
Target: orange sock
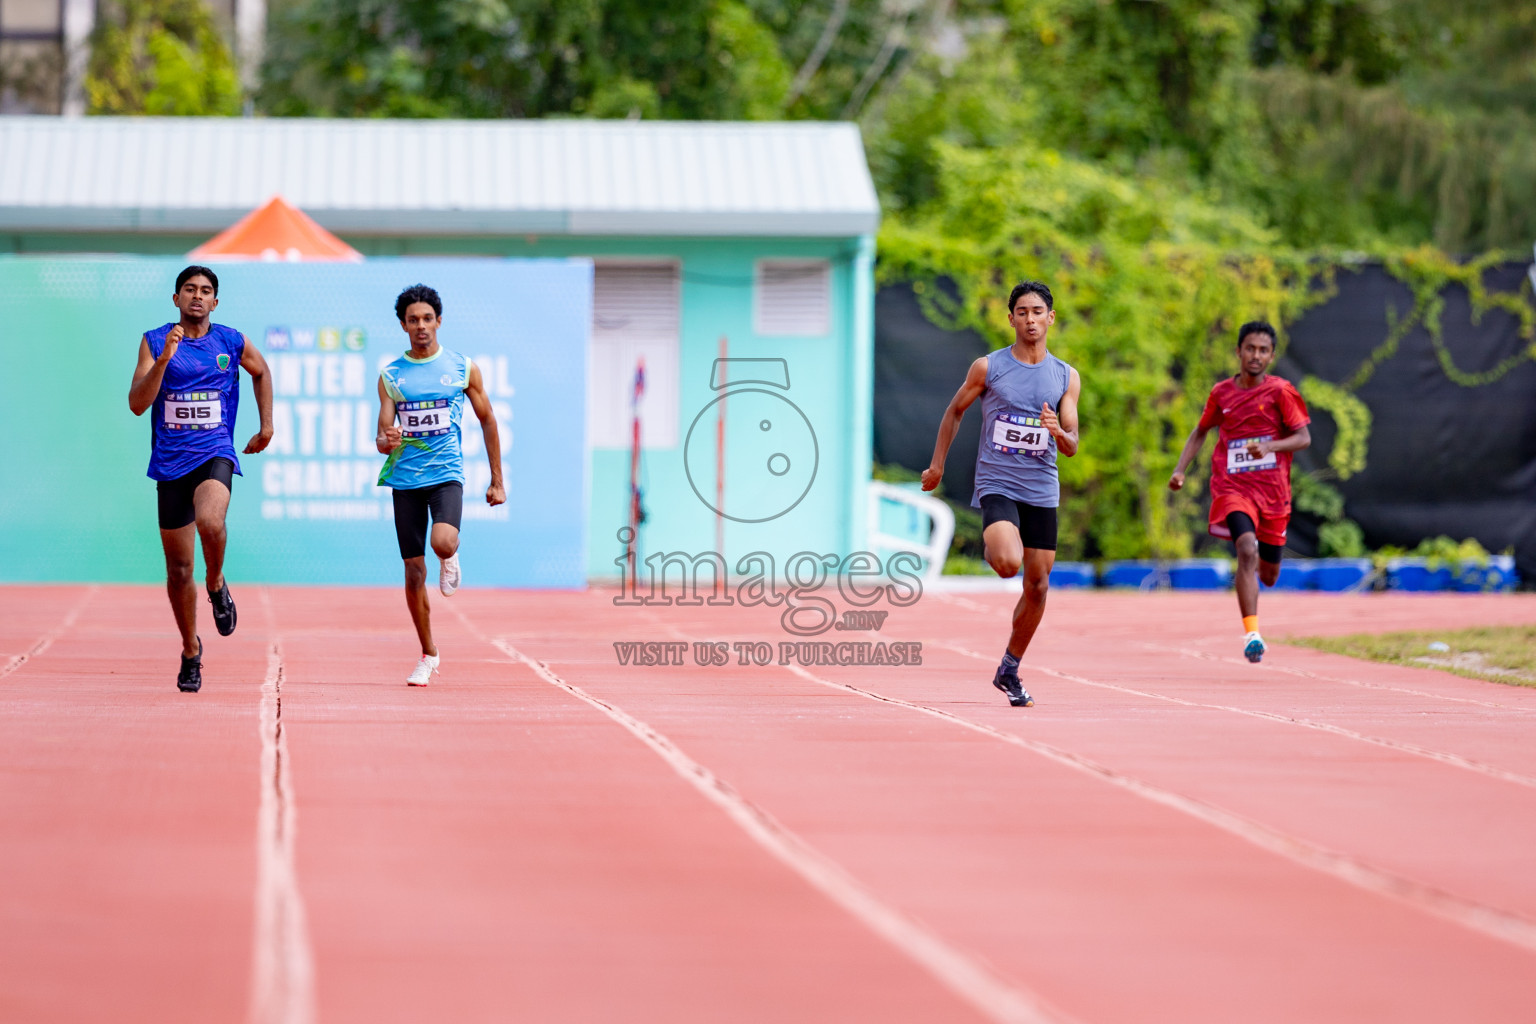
1250,623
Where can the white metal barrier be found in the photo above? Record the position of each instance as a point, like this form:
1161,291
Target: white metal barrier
930,540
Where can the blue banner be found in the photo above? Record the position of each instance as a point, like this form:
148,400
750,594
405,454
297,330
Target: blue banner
307,509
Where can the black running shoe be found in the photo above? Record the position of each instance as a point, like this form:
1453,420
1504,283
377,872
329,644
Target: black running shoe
1009,683
190,678
223,610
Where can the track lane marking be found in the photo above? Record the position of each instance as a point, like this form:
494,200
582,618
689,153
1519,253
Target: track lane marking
1490,921
953,968
283,971
1188,652
46,640
1455,760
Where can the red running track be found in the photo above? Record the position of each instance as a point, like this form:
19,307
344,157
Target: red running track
1170,834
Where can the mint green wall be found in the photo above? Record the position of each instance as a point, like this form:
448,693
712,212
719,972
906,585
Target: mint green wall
831,381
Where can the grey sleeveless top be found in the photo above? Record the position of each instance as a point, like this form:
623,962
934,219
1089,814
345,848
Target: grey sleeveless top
1017,456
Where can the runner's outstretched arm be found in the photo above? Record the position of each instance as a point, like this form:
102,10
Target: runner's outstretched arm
1063,424
1191,449
496,493
255,364
975,384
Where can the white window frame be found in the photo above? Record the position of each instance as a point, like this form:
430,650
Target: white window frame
611,372
761,309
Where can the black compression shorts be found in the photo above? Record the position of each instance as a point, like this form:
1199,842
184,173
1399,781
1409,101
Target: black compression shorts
1036,524
446,503
1240,523
177,508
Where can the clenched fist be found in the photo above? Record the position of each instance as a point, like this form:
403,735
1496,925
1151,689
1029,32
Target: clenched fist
171,341
1049,421
389,439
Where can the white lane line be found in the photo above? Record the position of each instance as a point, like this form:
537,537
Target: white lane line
1301,673
1455,760
46,640
1479,917
283,975
1188,652
956,970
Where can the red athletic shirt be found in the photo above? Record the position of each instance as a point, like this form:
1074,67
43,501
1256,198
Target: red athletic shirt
1272,410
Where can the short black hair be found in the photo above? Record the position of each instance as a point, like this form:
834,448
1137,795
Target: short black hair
193,271
414,294
1257,327
1024,288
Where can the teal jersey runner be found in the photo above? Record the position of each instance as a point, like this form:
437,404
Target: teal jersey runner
429,405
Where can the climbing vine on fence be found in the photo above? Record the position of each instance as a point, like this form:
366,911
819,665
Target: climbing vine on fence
1150,287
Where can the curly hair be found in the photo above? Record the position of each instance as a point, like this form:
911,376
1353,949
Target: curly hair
414,294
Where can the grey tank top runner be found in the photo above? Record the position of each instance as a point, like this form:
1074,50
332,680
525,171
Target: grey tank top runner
1017,456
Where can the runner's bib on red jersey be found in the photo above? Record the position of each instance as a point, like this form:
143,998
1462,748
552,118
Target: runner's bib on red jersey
1239,461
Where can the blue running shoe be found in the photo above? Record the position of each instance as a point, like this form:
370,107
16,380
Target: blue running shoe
1253,648
1009,683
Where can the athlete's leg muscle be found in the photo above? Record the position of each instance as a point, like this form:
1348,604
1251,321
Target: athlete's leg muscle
211,502
1269,572
1003,548
416,601
1031,607
1247,574
445,539
180,553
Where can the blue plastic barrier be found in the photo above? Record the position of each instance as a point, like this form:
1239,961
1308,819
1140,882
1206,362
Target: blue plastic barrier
1415,575
1336,574
1200,574
1297,574
1143,574
1498,574
1072,574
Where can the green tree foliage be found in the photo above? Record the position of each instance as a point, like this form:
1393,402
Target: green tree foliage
160,57
524,58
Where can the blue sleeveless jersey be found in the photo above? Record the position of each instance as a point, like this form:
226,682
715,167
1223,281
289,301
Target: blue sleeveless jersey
429,404
193,418
1017,456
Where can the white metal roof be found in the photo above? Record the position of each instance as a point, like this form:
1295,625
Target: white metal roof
438,177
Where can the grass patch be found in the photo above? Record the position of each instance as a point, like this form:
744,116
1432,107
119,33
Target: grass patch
965,565
1500,654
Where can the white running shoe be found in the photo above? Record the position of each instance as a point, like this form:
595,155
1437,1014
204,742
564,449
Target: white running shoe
421,675
448,575
1253,647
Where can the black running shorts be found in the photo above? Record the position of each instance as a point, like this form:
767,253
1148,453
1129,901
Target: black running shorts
177,508
1240,523
1036,524
446,503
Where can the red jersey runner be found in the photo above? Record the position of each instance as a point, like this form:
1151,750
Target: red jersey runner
1240,483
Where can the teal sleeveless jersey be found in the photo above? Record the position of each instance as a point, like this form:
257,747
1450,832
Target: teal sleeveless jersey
429,405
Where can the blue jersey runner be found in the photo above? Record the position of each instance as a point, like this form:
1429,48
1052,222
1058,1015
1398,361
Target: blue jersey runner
193,418
429,405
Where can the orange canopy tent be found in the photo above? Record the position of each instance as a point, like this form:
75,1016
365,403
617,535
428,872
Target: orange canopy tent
276,231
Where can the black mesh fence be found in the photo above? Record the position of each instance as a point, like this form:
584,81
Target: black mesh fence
1446,455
